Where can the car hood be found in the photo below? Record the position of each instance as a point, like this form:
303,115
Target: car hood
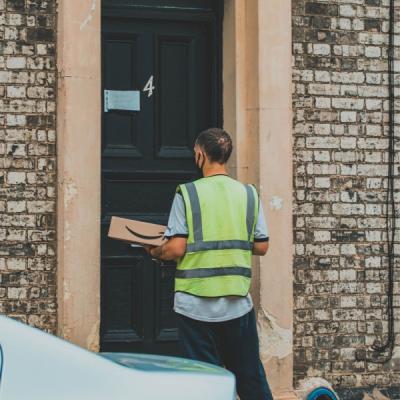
153,363
52,368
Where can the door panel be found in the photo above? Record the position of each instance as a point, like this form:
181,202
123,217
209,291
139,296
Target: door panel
123,285
120,129
147,153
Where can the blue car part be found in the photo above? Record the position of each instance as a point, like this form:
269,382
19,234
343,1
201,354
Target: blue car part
322,393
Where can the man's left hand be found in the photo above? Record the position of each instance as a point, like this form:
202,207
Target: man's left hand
148,247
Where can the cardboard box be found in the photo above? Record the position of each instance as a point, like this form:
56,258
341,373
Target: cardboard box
137,232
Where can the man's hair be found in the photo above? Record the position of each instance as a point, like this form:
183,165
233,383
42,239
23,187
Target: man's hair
216,143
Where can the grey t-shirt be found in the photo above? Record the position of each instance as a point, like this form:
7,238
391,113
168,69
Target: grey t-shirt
209,309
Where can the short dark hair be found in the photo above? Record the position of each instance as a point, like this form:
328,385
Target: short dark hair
216,143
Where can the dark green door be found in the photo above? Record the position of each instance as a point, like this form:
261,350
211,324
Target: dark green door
167,54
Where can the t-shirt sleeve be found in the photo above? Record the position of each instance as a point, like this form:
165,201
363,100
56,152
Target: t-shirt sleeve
177,225
261,233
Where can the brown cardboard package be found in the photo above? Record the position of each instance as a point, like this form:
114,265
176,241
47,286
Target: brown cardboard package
139,232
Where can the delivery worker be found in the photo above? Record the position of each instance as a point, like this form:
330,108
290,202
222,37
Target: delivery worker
215,225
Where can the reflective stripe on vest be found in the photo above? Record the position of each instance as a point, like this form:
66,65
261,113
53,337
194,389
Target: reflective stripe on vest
208,272
219,245
196,212
218,254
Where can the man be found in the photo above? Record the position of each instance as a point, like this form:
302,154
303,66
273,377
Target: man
216,224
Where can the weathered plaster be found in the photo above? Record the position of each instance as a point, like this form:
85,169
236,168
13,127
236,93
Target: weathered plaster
275,341
79,135
70,191
92,341
66,291
67,231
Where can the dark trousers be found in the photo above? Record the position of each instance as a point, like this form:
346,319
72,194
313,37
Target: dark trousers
232,344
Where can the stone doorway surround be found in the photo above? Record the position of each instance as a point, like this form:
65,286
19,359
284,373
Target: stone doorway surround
257,111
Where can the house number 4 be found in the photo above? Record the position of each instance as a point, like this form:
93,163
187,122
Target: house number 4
149,87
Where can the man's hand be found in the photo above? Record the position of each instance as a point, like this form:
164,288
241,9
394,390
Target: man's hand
147,248
170,251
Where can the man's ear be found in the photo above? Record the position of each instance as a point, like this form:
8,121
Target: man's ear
197,158
201,159
204,158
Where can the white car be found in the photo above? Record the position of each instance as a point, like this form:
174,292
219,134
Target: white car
35,365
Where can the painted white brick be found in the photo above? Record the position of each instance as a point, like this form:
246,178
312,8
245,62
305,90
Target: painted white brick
345,23
347,10
321,49
372,51
16,91
322,155
322,142
373,104
322,182
348,142
18,264
322,102
16,62
348,209
322,236
350,104
16,206
14,178
348,116
16,293
348,77
322,76
348,274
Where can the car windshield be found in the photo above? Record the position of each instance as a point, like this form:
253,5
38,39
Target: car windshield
159,363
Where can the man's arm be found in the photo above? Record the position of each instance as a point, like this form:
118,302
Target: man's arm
170,251
260,248
261,234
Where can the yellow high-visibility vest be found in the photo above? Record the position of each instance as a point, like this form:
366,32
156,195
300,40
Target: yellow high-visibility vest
221,214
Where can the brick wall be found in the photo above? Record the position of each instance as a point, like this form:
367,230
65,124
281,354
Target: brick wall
27,161
340,140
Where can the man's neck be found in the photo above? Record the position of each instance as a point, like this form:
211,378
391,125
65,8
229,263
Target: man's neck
214,169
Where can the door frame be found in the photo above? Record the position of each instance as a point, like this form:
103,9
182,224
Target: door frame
257,112
208,23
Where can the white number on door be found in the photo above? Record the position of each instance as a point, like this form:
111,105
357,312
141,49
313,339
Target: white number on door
149,87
